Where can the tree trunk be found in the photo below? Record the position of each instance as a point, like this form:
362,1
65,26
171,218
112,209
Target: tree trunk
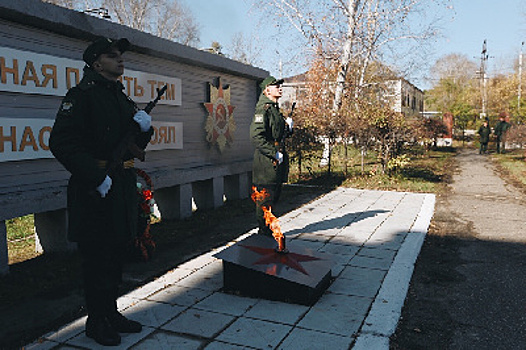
346,57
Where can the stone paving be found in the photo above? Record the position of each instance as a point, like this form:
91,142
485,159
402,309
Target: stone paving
374,238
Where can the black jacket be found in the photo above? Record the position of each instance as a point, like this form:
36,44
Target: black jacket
92,119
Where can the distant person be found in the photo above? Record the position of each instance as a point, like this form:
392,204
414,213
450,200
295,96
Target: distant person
268,131
484,132
500,132
102,207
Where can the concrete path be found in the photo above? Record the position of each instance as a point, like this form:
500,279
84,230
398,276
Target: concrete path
374,237
487,307
468,289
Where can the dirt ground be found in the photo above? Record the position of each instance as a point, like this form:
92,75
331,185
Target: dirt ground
468,287
43,294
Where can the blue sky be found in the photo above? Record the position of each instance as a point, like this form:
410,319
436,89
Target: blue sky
501,22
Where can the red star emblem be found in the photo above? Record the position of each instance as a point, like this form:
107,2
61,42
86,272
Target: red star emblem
271,256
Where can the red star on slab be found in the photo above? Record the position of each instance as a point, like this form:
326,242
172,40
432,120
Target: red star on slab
271,256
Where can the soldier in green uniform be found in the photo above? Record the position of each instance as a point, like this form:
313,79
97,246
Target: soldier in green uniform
102,208
268,130
484,132
500,133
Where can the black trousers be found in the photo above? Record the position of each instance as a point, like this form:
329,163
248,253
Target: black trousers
500,142
274,191
483,147
102,264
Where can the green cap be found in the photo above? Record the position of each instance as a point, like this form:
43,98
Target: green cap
270,80
103,45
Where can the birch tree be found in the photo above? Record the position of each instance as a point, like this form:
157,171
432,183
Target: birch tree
360,31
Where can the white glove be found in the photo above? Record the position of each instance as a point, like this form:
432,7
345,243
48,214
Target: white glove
290,122
105,186
279,157
143,119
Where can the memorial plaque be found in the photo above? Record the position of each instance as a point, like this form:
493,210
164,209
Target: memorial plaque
255,267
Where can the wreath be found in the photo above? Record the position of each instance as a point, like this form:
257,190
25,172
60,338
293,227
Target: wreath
143,245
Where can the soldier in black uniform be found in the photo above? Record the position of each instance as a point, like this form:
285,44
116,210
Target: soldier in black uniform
484,132
271,161
102,208
500,131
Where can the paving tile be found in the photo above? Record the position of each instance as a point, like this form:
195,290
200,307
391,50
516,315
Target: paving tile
305,244
180,295
127,340
339,249
217,345
167,341
203,281
360,273
173,276
153,314
41,344
226,303
125,302
277,311
68,331
198,263
315,237
359,287
372,263
301,339
199,323
361,230
370,341
145,290
378,253
255,333
338,314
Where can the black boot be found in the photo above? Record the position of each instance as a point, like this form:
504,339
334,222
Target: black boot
122,325
100,330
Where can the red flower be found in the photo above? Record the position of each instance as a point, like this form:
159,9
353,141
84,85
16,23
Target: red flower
147,195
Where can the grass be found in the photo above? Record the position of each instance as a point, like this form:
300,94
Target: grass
21,239
426,172
512,164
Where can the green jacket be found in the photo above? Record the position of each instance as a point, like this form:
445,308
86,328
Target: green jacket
501,128
267,131
484,132
91,121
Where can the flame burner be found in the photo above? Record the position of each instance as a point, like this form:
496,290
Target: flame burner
281,246
256,267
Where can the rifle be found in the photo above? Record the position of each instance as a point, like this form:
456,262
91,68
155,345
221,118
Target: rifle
127,143
288,132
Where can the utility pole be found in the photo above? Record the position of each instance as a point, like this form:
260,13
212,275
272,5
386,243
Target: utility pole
520,82
482,74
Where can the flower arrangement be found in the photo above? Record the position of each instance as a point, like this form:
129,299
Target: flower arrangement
146,203
143,246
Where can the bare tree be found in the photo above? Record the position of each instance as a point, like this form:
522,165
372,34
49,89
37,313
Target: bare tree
168,19
357,31
244,49
455,89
